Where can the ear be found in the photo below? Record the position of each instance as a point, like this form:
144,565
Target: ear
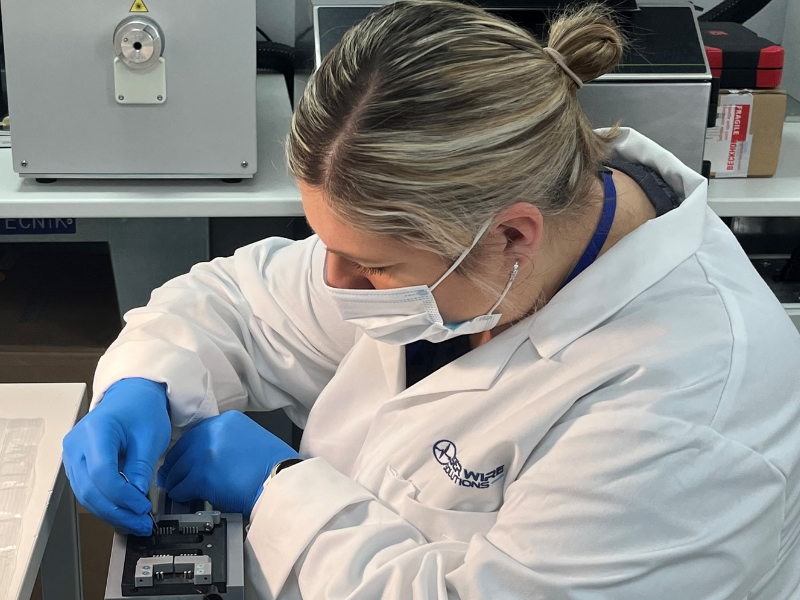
519,228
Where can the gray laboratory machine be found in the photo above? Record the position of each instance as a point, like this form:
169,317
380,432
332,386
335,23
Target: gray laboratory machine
194,553
662,87
131,88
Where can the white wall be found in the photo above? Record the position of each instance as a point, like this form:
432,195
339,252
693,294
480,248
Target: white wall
768,23
791,44
276,18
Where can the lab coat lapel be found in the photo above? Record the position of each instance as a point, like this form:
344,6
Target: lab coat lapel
635,263
476,370
393,360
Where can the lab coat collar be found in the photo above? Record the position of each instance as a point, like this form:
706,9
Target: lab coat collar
635,263
638,261
476,370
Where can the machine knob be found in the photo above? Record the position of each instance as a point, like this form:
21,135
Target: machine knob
138,42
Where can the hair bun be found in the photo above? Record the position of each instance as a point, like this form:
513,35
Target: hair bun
589,39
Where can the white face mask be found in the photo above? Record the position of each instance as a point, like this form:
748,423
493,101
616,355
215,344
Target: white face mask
404,315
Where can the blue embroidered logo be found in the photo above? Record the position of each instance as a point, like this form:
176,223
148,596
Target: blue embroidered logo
444,451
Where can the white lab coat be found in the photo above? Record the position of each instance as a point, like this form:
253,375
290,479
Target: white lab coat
636,439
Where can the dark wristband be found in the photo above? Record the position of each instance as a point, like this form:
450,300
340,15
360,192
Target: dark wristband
285,464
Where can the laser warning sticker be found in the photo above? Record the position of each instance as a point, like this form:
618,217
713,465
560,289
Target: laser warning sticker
138,6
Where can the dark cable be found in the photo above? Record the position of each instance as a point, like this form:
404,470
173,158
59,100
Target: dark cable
736,11
266,37
280,58
305,31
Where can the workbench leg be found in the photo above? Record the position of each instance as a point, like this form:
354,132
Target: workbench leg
146,253
61,563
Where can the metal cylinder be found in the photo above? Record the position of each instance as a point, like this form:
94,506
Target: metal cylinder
138,42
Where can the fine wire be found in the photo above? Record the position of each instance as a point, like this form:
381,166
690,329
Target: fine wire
149,512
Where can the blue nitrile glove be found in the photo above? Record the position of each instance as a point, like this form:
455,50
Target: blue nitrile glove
127,432
224,460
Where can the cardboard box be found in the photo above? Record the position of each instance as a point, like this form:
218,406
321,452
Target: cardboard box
96,541
746,141
58,314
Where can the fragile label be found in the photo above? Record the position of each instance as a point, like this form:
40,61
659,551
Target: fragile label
728,143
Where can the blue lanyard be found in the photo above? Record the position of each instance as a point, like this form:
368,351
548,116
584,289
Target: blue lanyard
603,227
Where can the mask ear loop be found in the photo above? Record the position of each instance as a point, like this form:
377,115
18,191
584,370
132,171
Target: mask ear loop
511,279
461,258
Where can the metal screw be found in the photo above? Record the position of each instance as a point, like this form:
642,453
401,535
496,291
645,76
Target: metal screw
124,39
159,98
121,97
244,164
24,163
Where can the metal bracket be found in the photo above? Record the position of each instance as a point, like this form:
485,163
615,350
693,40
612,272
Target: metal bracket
190,567
204,520
140,87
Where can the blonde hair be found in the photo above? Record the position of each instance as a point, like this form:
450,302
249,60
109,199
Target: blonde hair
430,117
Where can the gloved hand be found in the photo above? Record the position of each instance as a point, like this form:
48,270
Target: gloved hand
128,432
224,460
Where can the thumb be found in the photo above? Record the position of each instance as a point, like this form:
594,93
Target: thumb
139,466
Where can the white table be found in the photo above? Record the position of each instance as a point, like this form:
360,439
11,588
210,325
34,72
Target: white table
50,523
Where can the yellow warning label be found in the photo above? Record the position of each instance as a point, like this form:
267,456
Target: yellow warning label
138,6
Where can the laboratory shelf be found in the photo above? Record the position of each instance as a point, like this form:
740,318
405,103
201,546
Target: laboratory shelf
777,196
271,193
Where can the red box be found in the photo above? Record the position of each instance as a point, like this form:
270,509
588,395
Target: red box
740,58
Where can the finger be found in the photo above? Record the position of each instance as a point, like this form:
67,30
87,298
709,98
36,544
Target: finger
139,465
102,465
70,444
73,482
94,501
186,441
143,448
72,447
191,488
195,437
184,469
161,478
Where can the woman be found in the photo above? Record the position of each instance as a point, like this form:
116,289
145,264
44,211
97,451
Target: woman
529,360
